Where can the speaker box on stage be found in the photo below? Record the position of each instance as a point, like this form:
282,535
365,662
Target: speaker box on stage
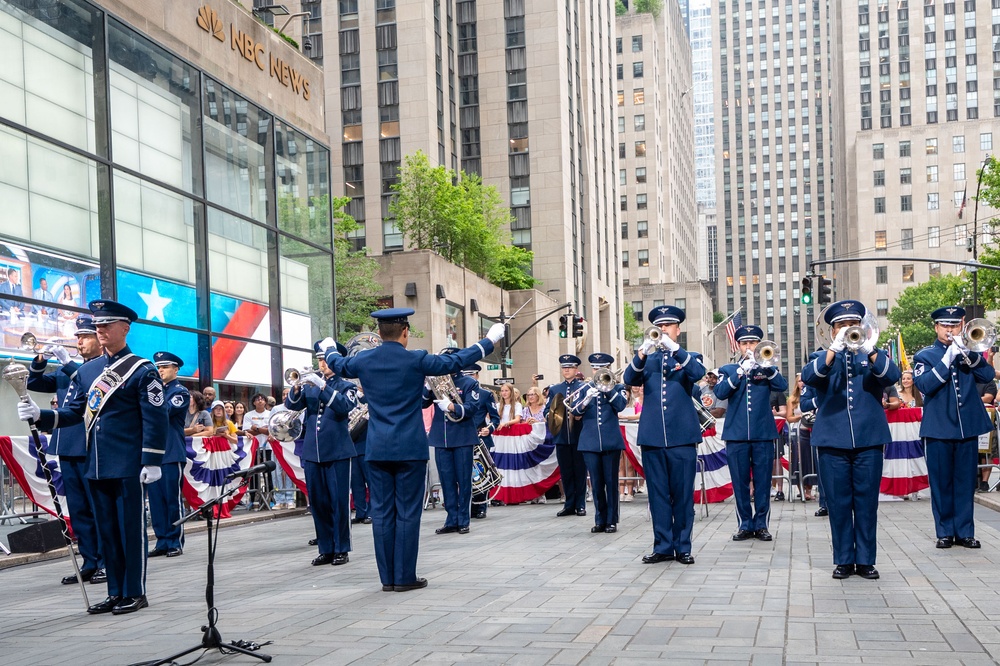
37,538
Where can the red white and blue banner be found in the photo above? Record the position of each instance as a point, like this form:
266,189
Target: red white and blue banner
209,461
18,453
526,458
904,468
288,456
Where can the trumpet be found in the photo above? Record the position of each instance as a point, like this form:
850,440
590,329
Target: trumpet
655,335
977,335
30,343
295,377
605,380
855,337
766,354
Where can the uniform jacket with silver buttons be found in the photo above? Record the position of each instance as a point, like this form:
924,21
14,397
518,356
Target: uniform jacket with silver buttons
849,395
326,435
70,441
486,413
458,428
952,406
600,430
178,399
748,416
668,415
565,388
130,430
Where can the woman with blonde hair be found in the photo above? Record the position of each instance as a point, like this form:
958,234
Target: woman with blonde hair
509,405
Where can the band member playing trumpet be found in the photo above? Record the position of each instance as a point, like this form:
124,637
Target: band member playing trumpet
954,417
572,469
601,440
749,434
326,453
850,433
669,432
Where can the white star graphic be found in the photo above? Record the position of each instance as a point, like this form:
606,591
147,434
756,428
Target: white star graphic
155,304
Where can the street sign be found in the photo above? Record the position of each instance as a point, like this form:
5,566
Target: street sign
500,381
493,366
510,362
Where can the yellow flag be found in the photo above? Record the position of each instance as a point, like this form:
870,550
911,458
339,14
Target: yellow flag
904,364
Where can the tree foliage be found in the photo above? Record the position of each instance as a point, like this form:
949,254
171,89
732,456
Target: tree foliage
633,331
357,289
653,7
460,217
989,189
620,8
912,314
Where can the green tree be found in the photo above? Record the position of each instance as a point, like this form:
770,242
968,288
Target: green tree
633,331
989,189
989,194
653,7
912,314
620,8
510,268
357,289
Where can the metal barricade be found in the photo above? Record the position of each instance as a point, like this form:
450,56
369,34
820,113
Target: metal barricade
991,462
795,470
782,476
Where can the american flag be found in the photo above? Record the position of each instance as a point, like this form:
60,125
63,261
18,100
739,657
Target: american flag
961,208
731,327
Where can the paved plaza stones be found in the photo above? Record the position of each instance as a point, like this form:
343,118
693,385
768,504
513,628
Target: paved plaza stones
526,587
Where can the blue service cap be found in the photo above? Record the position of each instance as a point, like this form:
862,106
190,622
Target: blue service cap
162,358
748,334
393,315
85,325
569,361
321,352
472,369
600,360
107,312
666,314
951,314
842,310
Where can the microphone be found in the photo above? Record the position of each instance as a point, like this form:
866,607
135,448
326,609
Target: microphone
267,466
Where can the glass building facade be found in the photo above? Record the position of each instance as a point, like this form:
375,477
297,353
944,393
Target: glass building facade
128,173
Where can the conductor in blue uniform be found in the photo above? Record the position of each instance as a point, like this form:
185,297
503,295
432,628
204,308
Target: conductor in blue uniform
126,421
572,469
749,433
327,449
70,445
397,450
453,435
166,501
954,417
849,435
601,443
669,434
487,419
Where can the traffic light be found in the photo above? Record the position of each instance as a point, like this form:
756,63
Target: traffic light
825,290
562,326
577,326
807,290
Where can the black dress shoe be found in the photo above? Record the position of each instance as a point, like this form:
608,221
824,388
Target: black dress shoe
105,606
821,512
340,558
655,558
581,512
597,528
463,530
447,529
743,535
685,558
479,515
130,605
418,584
566,512
969,542
100,576
388,588
611,529
946,542
763,535
325,558
842,571
313,542
157,552
367,520
866,571
357,521
175,552
85,574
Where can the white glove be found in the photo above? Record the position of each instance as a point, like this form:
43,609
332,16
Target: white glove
444,404
592,393
747,365
327,343
58,352
868,347
27,410
958,343
838,342
496,333
647,347
149,474
668,343
950,354
316,381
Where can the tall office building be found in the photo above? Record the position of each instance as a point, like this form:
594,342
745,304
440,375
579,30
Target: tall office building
700,17
519,93
932,71
774,175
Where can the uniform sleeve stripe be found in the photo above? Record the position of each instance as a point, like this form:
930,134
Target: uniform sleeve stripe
160,451
816,367
729,380
686,360
632,365
481,350
884,370
934,370
55,419
332,398
974,363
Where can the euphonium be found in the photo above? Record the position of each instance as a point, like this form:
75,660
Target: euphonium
605,380
766,353
978,335
443,386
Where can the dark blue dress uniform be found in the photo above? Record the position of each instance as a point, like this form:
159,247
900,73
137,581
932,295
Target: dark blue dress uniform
453,436
601,444
572,468
166,499
397,449
954,417
850,433
359,472
70,445
487,416
126,435
669,434
326,454
749,435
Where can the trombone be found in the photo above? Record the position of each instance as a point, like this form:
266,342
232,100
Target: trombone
30,343
977,335
605,381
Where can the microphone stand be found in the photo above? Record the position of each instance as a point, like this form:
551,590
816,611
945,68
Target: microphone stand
211,639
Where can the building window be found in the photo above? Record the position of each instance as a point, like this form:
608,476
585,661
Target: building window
932,174
880,240
933,236
621,124
961,235
934,270
618,45
642,229
638,96
881,275
958,144
930,145
637,70
680,303
882,305
905,176
643,257
879,204
637,310
640,123
986,141
879,178
958,197
878,151
622,176
907,272
621,98
621,71
624,258
933,202
623,202
624,230
904,148
906,240
640,148
637,44
640,175
905,203
959,171
640,202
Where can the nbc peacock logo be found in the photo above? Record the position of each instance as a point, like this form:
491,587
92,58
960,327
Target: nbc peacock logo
209,21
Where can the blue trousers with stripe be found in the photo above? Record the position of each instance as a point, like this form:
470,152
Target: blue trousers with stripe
166,505
121,504
81,510
328,484
397,493
670,483
757,458
853,477
953,476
